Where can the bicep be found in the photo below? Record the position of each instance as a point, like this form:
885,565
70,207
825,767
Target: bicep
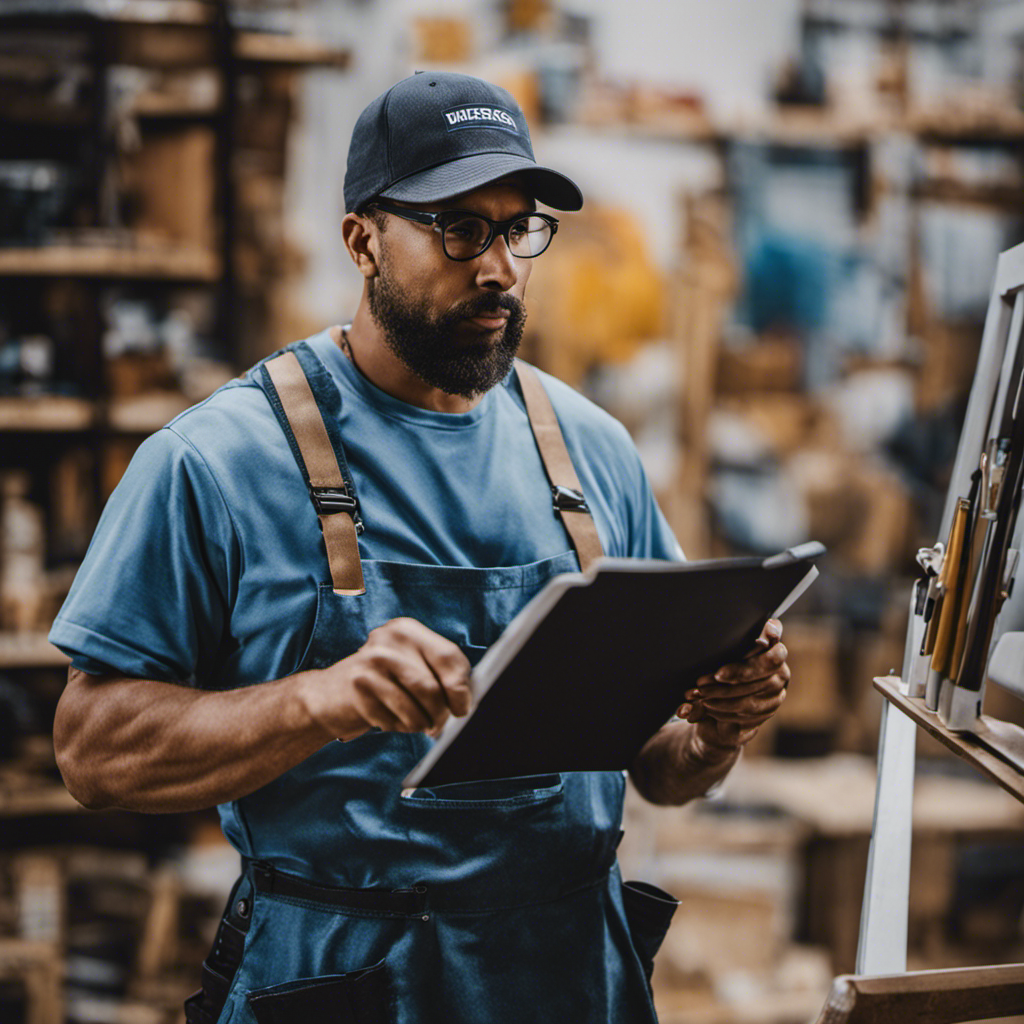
151,597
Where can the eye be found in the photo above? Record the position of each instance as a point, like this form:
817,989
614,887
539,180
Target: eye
467,229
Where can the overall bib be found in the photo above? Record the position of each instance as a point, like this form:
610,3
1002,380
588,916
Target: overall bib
482,903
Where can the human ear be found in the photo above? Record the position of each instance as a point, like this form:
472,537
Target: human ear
360,237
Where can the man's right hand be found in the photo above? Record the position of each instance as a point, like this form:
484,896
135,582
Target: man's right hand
405,678
159,747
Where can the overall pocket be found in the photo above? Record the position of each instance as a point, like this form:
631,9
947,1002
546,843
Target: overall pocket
530,790
358,997
649,912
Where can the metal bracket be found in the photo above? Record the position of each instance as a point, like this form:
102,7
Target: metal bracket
328,501
568,499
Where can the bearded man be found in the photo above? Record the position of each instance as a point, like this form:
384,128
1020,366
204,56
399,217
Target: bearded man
319,553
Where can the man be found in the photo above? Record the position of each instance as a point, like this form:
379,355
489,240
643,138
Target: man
433,466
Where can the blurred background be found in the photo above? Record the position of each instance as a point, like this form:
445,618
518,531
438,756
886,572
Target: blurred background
778,283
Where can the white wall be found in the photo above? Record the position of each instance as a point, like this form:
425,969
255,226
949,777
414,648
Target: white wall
724,49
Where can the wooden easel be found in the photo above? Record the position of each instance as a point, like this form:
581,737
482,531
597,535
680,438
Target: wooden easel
882,990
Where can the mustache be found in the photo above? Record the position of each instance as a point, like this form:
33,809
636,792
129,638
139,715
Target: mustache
490,304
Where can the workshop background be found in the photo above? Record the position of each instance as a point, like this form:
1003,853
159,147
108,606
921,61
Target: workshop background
777,282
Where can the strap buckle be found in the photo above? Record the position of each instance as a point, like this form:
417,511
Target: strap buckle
328,501
568,499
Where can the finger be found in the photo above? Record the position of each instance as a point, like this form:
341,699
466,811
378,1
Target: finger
753,710
372,710
405,669
378,688
446,661
734,691
772,632
730,691
698,687
759,667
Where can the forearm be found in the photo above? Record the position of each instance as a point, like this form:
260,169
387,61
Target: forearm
677,764
158,747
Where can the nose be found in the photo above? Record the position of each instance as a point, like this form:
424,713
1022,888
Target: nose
497,270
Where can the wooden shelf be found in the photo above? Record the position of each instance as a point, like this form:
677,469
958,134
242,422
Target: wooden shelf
966,745
955,126
946,190
49,798
157,105
271,48
55,413
30,650
137,414
145,414
252,47
171,264
814,128
142,12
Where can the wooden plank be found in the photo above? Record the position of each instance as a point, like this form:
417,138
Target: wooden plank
964,745
926,997
272,48
46,413
177,264
30,650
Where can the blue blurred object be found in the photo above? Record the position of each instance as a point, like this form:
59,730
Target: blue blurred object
787,284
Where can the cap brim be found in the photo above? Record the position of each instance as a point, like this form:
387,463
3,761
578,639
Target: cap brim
471,172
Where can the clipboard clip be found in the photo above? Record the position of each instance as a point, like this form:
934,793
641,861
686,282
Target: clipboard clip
799,553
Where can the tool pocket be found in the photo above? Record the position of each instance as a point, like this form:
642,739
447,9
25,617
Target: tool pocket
219,968
649,912
358,997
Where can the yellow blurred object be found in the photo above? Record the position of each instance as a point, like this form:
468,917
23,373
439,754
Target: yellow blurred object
598,294
525,89
443,40
527,15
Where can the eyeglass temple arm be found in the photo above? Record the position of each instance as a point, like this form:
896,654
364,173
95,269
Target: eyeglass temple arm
401,211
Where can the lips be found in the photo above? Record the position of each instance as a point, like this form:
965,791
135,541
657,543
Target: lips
490,321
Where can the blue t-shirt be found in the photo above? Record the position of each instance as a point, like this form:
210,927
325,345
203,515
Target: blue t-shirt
205,564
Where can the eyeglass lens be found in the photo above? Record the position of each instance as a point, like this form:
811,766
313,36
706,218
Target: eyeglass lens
467,237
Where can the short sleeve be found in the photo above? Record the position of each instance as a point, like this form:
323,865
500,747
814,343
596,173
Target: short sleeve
152,597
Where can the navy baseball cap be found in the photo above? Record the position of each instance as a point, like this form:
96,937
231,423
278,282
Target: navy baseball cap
436,135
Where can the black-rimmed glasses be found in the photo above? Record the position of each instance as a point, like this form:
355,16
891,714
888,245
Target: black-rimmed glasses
465,235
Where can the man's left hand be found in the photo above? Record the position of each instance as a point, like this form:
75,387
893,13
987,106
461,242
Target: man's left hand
731,705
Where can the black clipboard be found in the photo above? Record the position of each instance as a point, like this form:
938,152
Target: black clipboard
596,663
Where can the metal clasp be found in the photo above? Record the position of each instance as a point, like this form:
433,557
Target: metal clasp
568,499
328,501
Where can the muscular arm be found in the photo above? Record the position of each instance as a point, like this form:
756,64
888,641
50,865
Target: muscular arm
159,747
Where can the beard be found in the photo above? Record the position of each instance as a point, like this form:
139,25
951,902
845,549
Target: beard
424,343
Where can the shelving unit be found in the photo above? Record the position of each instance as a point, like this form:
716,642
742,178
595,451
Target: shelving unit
177,142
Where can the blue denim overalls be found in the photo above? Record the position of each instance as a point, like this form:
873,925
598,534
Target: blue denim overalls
482,903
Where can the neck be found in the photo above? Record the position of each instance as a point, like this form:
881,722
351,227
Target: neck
381,367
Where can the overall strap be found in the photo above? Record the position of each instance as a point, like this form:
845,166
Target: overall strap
335,506
566,492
